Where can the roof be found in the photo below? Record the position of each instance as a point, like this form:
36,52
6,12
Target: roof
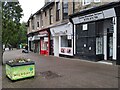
40,10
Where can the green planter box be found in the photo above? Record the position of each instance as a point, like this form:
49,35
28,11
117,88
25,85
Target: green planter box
16,71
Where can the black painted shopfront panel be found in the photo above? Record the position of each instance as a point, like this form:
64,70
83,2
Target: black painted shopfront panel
85,41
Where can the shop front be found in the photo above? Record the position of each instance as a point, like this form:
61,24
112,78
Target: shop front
62,40
97,33
29,43
36,43
44,42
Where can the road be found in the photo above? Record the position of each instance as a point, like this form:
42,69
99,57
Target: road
74,73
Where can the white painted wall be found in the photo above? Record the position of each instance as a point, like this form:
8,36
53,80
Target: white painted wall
107,25
74,39
105,47
115,38
56,46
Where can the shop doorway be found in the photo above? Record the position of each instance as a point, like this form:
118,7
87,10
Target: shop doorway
56,46
44,47
109,46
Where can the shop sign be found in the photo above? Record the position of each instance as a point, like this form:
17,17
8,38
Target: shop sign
43,32
36,37
91,17
29,38
45,39
57,33
62,30
95,16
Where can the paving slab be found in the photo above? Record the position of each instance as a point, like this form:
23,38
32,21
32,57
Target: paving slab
74,73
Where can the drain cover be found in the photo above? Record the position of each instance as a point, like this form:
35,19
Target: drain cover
49,74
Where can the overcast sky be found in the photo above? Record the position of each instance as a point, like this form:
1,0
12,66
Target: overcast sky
30,6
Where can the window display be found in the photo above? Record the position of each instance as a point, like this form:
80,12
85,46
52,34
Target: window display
99,45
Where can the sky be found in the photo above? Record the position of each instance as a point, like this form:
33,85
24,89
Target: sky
30,7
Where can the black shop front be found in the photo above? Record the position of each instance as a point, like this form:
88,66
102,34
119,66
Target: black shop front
97,33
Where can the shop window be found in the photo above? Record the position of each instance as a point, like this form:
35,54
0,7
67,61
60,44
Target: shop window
44,45
32,45
70,43
99,45
66,42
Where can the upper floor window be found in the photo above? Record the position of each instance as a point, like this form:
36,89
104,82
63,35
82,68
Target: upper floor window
76,5
51,15
41,20
65,9
57,10
32,24
33,27
45,13
87,2
97,1
37,24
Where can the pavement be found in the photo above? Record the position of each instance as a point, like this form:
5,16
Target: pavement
74,73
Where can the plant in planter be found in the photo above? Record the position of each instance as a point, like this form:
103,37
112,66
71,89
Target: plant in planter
20,68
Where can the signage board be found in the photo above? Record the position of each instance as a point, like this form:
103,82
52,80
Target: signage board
62,30
45,39
95,16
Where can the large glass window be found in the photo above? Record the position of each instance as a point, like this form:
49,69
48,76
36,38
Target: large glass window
99,45
65,9
44,45
66,42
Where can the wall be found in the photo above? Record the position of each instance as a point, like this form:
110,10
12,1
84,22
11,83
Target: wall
56,46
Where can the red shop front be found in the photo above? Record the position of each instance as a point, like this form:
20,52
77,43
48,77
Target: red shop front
44,42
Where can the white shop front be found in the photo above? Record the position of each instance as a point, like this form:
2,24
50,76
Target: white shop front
62,40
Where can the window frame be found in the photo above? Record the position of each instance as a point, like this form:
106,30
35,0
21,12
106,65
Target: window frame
57,10
51,15
65,7
38,24
86,2
97,1
41,20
